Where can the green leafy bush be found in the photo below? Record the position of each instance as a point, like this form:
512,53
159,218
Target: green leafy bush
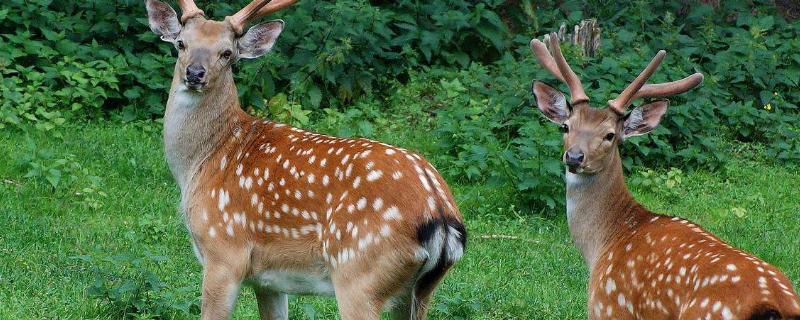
60,171
128,289
101,55
489,131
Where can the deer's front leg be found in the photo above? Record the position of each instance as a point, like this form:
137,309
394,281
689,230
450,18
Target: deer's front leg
272,305
221,285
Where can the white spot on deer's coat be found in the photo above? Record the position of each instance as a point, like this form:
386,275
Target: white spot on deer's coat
385,231
431,203
726,313
610,286
391,214
224,198
374,175
378,204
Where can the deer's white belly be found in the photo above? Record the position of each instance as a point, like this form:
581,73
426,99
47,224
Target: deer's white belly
294,282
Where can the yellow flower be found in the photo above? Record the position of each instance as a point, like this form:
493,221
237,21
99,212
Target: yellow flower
768,106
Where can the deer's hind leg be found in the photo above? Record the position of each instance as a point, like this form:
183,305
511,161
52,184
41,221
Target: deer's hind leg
223,274
272,305
370,282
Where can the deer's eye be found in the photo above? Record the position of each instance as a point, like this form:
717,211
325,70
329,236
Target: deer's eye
227,54
181,45
609,136
564,128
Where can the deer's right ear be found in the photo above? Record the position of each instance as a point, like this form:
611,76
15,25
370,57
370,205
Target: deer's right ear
163,20
551,102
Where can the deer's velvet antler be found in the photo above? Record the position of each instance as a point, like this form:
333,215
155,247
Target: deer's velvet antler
255,10
559,67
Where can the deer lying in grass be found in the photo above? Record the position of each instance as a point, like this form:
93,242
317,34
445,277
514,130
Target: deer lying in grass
645,265
290,211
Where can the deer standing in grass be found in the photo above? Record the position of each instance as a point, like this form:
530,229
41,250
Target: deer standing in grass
645,265
289,211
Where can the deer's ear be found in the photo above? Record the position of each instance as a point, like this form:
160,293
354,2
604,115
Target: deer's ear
644,119
551,102
163,20
259,39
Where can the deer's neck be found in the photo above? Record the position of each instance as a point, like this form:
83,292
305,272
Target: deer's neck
196,124
600,209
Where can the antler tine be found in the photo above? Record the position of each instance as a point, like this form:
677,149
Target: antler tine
274,6
545,59
189,10
240,18
669,88
558,67
256,9
569,76
621,102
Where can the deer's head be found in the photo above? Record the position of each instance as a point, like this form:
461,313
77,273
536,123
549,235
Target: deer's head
591,135
208,48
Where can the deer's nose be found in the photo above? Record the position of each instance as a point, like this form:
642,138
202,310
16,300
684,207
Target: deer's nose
573,158
195,73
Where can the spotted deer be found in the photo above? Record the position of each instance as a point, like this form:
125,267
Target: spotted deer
288,211
645,265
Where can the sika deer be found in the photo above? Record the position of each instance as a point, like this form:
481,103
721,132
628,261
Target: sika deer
645,265
290,211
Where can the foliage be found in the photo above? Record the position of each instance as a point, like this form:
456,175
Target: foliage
652,180
46,95
486,131
330,53
43,164
457,307
751,59
358,63
666,183
130,290
284,111
489,131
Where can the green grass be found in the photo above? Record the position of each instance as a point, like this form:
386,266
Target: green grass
519,264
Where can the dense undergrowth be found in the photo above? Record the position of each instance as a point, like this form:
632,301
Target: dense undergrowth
461,68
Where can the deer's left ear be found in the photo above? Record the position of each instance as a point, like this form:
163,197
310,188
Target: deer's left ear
163,20
644,119
259,39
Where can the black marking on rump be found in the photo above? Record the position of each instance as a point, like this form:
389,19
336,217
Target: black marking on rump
768,312
425,235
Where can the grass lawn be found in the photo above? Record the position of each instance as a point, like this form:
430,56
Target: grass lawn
54,247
